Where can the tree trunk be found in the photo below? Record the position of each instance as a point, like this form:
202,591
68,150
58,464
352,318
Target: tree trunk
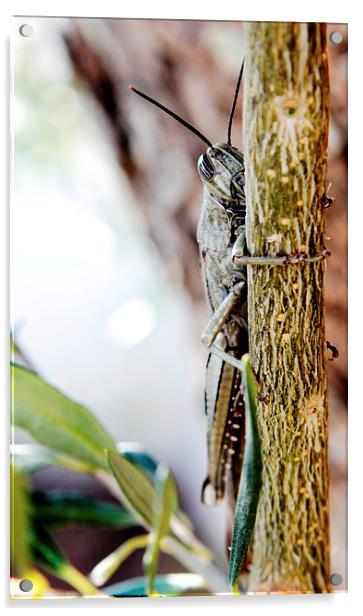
286,120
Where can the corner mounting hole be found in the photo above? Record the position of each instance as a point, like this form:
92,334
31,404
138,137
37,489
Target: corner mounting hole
26,585
336,37
26,30
336,579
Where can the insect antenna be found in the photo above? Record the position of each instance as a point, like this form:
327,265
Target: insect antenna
233,107
173,115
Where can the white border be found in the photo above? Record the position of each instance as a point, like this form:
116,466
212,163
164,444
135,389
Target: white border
308,10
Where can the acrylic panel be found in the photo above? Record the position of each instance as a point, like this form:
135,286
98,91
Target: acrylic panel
178,308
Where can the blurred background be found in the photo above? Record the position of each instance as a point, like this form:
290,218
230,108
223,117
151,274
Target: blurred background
106,296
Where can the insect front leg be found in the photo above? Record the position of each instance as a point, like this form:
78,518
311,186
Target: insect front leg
222,313
241,258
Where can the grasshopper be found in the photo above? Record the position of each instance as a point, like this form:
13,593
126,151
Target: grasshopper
221,235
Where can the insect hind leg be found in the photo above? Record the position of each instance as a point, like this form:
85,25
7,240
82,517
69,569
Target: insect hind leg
225,414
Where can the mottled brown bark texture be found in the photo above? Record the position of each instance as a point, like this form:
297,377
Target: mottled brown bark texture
286,121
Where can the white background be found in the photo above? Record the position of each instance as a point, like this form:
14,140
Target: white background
279,11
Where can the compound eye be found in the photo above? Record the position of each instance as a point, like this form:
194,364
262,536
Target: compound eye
205,168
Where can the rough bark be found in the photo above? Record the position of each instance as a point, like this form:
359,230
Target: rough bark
286,119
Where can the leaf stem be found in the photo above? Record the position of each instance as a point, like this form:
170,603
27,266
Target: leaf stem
107,567
215,578
75,578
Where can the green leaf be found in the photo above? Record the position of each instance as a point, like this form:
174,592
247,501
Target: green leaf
32,457
64,508
13,347
137,491
56,421
19,520
45,551
138,495
170,585
250,484
145,462
165,504
135,454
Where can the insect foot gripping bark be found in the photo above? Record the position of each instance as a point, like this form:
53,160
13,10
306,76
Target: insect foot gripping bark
286,118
